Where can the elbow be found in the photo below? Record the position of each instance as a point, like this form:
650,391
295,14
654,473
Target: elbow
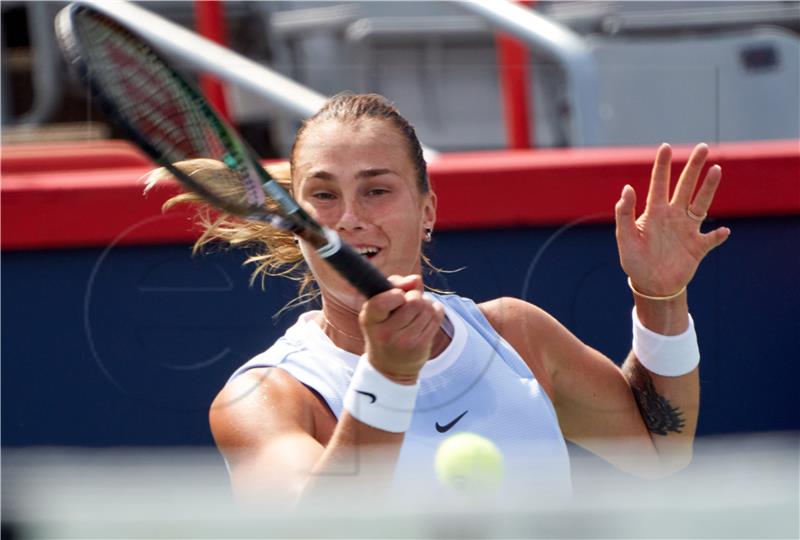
664,465
676,463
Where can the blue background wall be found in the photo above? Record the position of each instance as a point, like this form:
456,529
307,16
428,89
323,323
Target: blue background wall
129,345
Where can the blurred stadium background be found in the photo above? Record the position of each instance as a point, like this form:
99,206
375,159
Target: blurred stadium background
115,339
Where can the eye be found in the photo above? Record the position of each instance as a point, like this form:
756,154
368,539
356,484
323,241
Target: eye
378,191
323,196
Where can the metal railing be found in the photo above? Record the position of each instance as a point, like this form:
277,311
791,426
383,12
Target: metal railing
207,56
561,44
203,54
45,67
549,38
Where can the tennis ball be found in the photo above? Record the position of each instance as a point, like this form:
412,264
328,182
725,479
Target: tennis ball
469,463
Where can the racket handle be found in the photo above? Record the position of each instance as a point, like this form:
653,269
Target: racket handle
354,267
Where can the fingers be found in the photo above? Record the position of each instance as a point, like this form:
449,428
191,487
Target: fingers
424,327
705,195
689,176
625,213
702,203
409,321
427,319
401,322
412,307
378,308
658,193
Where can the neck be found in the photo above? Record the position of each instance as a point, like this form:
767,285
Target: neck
340,324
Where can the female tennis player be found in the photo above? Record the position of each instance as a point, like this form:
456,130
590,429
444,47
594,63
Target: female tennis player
405,369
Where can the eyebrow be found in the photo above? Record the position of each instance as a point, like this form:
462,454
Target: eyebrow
364,173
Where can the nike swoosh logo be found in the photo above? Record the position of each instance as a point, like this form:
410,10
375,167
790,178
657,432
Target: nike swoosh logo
371,396
447,427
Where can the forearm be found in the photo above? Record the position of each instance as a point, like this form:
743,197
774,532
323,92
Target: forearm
398,327
366,442
669,405
357,455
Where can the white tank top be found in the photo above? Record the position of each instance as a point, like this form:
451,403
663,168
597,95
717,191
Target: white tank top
477,384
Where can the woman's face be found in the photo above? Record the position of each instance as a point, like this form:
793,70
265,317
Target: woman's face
358,179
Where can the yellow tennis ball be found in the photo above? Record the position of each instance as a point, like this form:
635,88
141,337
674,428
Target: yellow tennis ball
469,463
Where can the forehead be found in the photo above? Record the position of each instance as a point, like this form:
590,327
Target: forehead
334,141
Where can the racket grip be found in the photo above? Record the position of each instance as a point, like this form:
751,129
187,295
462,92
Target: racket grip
354,267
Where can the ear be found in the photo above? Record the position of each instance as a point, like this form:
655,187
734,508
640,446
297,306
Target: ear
429,211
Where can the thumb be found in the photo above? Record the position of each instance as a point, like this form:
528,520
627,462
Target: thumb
716,238
625,214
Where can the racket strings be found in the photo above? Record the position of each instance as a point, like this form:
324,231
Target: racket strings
147,102
173,119
149,96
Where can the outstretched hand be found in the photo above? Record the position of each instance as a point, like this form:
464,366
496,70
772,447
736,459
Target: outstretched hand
662,248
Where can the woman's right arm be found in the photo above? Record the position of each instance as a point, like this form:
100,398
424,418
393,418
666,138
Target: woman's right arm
264,424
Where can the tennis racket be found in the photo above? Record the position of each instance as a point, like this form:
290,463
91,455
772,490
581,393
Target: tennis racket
170,120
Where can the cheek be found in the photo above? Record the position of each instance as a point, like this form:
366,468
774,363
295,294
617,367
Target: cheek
328,215
405,228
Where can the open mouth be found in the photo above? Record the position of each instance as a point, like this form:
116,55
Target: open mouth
370,252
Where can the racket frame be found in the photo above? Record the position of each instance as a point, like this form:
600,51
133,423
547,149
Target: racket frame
331,248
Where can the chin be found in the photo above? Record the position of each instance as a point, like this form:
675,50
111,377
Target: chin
337,289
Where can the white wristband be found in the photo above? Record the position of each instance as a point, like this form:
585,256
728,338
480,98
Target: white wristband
379,402
670,356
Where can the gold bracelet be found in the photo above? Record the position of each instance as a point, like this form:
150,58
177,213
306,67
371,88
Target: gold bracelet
670,297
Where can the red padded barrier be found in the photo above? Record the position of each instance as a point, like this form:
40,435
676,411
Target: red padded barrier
77,208
65,156
550,187
86,208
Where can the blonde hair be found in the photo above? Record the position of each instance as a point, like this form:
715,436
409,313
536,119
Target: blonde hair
274,252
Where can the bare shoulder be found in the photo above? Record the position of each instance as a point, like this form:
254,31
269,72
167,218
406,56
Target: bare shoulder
527,328
506,311
517,319
258,405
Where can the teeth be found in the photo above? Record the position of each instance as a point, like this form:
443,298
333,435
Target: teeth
368,250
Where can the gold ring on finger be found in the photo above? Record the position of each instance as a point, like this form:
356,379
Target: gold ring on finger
695,217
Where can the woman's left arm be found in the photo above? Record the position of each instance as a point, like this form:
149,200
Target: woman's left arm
660,252
639,420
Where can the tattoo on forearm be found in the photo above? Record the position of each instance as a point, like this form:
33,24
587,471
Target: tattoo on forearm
659,415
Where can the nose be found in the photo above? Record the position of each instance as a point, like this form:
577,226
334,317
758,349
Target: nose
352,218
